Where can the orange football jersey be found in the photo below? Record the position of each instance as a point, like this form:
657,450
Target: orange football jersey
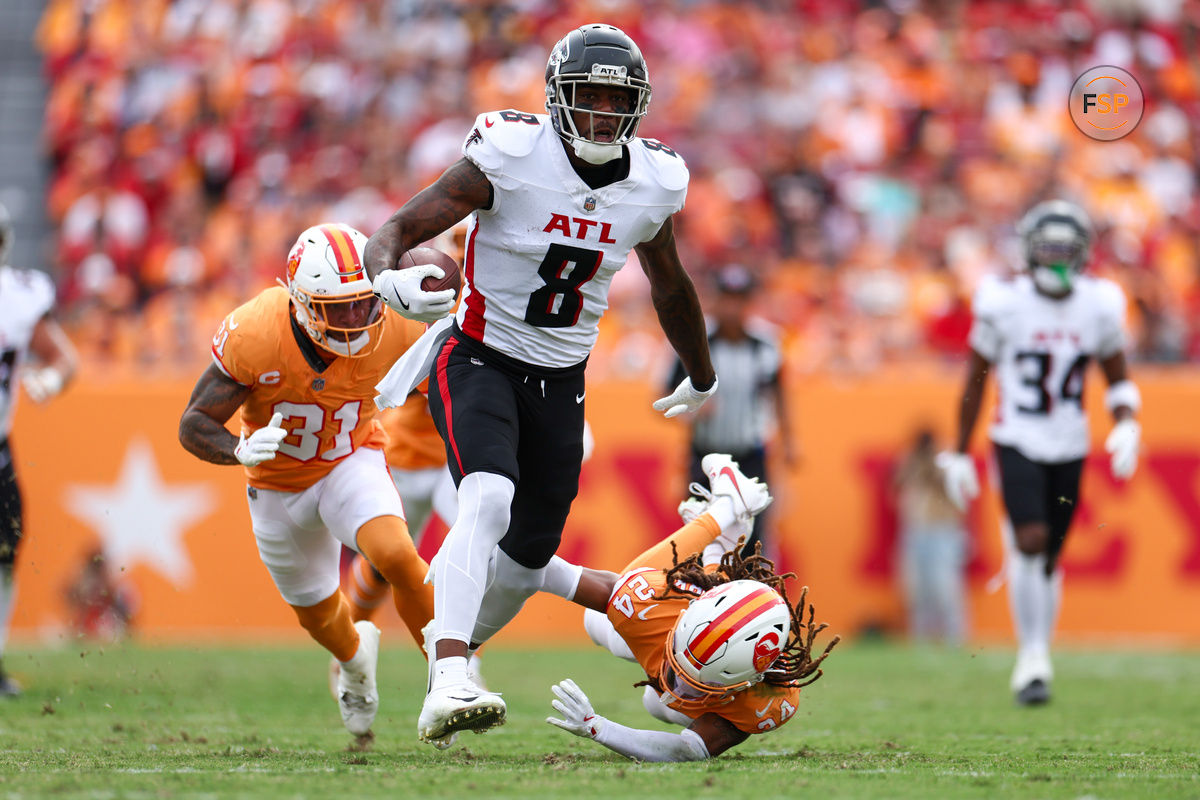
413,440
328,413
644,618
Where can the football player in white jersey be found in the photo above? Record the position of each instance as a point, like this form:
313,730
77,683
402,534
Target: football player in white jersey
557,202
1038,331
27,328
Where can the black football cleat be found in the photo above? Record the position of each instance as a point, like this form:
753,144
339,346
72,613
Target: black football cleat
1034,693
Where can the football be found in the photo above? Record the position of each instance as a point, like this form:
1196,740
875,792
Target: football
431,255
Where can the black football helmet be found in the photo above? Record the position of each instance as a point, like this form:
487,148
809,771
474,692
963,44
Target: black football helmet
1057,240
595,54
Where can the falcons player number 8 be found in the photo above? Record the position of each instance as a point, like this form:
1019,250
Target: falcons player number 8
313,417
564,269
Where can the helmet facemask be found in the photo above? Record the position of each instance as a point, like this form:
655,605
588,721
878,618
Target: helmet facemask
563,103
342,324
685,691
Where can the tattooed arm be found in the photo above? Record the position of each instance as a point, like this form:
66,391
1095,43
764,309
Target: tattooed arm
461,189
677,305
202,429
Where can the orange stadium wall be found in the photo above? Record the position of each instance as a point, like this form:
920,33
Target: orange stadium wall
101,467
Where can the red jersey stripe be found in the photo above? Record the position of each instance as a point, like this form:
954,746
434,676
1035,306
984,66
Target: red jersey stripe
473,322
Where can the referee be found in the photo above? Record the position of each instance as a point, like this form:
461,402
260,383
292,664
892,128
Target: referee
750,403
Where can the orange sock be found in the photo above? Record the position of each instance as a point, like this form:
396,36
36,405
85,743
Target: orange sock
691,538
365,588
329,623
386,542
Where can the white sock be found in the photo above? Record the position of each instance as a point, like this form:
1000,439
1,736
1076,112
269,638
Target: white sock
1029,598
8,590
461,566
449,671
511,585
721,509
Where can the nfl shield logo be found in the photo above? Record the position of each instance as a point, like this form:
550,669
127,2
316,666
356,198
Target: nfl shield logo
589,204
318,384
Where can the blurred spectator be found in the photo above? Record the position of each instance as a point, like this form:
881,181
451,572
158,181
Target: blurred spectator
750,407
101,608
933,545
889,144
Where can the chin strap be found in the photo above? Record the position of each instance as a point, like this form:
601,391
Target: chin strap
595,153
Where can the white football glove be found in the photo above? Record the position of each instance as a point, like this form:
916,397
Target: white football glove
961,482
685,398
42,384
401,290
262,444
1122,444
576,709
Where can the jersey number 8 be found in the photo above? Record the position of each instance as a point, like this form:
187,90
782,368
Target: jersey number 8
564,269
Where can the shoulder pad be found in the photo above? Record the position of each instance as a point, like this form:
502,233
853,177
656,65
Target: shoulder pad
992,296
666,165
500,134
1110,296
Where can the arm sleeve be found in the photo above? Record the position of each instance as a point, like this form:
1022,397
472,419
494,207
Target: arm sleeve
655,746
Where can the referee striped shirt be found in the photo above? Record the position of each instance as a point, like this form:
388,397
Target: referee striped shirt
739,416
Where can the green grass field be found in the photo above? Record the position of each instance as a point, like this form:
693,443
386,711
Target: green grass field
885,721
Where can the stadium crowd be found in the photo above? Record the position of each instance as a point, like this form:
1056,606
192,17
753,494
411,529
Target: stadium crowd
867,160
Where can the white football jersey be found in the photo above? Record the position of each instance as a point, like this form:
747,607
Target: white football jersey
25,297
538,263
1040,349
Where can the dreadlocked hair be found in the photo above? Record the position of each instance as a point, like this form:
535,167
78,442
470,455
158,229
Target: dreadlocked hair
795,665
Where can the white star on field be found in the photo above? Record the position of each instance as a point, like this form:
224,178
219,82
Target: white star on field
141,519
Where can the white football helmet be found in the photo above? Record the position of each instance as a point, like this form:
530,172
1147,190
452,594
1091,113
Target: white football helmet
1057,240
331,291
725,641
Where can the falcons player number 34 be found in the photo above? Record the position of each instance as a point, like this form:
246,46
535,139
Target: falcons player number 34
1036,369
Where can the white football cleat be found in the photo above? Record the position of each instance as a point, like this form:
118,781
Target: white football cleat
458,707
357,694
749,495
